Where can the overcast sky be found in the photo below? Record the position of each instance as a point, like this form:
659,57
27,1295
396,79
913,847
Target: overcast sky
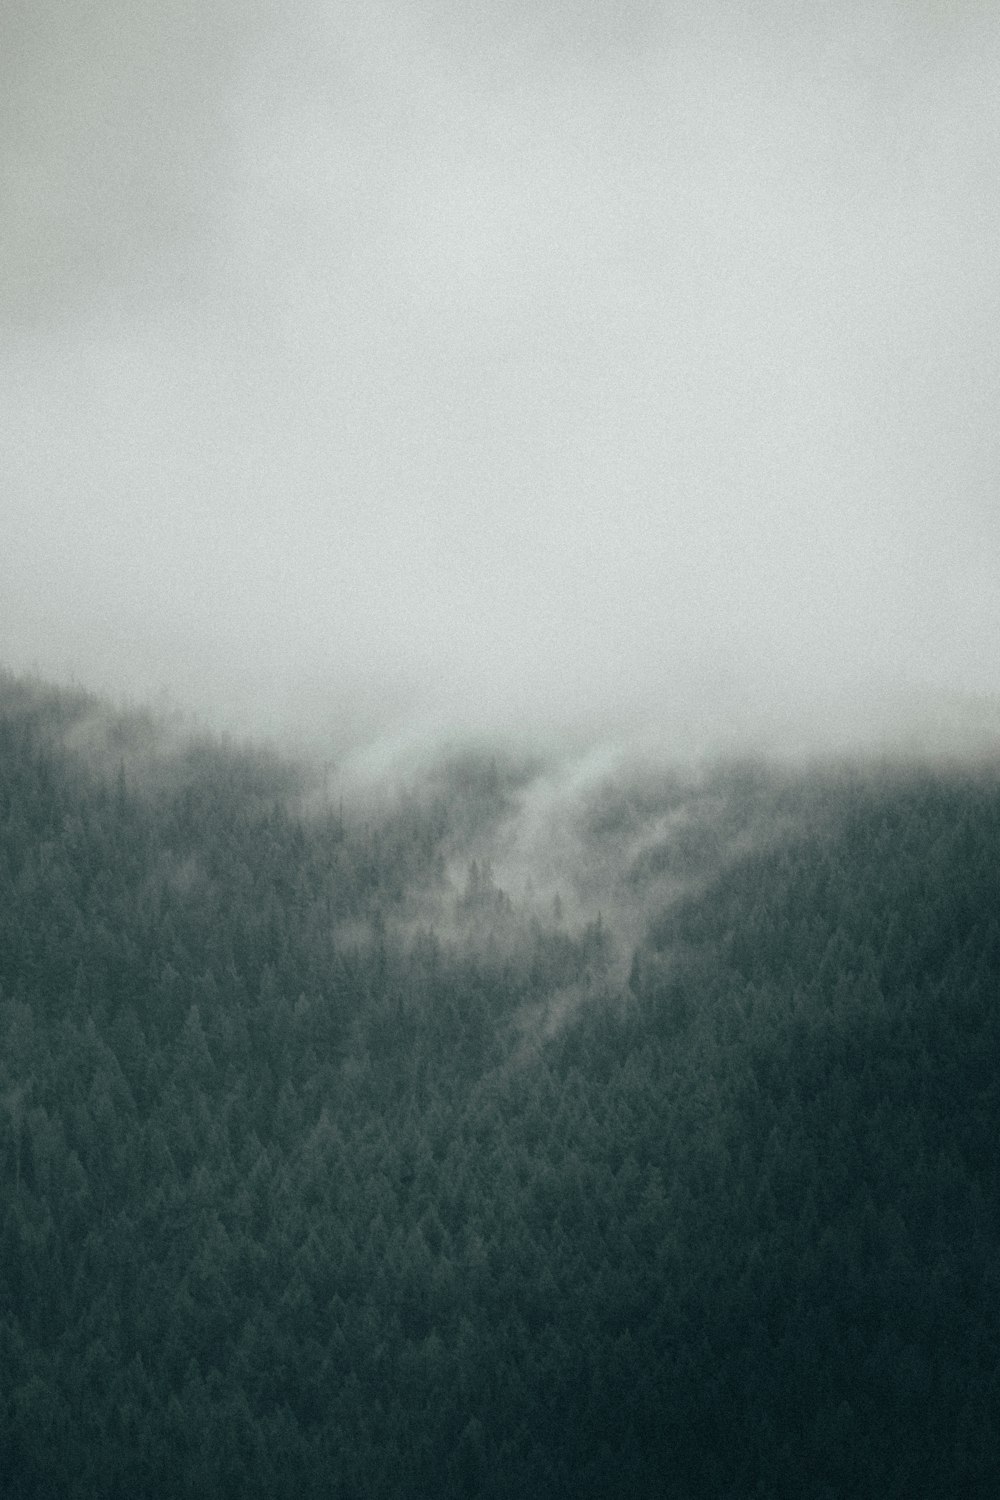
625,365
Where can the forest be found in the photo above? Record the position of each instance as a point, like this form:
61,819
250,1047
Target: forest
495,1131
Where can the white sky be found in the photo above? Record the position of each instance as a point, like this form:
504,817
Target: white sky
504,366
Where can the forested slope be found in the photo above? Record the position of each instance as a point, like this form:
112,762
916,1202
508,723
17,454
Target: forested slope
331,1168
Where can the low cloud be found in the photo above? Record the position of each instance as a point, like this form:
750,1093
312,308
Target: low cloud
383,375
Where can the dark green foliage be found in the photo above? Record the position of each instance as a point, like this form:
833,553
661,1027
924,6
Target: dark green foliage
307,1193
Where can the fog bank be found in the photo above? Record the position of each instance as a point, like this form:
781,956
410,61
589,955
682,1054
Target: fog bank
380,373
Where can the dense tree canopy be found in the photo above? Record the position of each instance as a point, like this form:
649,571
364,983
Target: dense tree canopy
331,1168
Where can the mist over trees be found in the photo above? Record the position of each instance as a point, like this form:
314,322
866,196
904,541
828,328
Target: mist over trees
505,1132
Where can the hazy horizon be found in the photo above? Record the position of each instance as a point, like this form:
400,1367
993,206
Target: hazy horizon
380,372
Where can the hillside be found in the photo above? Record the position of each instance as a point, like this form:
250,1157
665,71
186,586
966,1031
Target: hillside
496,1133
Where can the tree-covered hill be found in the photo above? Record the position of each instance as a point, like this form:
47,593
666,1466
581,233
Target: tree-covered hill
475,1141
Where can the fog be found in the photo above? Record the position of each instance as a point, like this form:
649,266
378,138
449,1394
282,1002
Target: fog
378,372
